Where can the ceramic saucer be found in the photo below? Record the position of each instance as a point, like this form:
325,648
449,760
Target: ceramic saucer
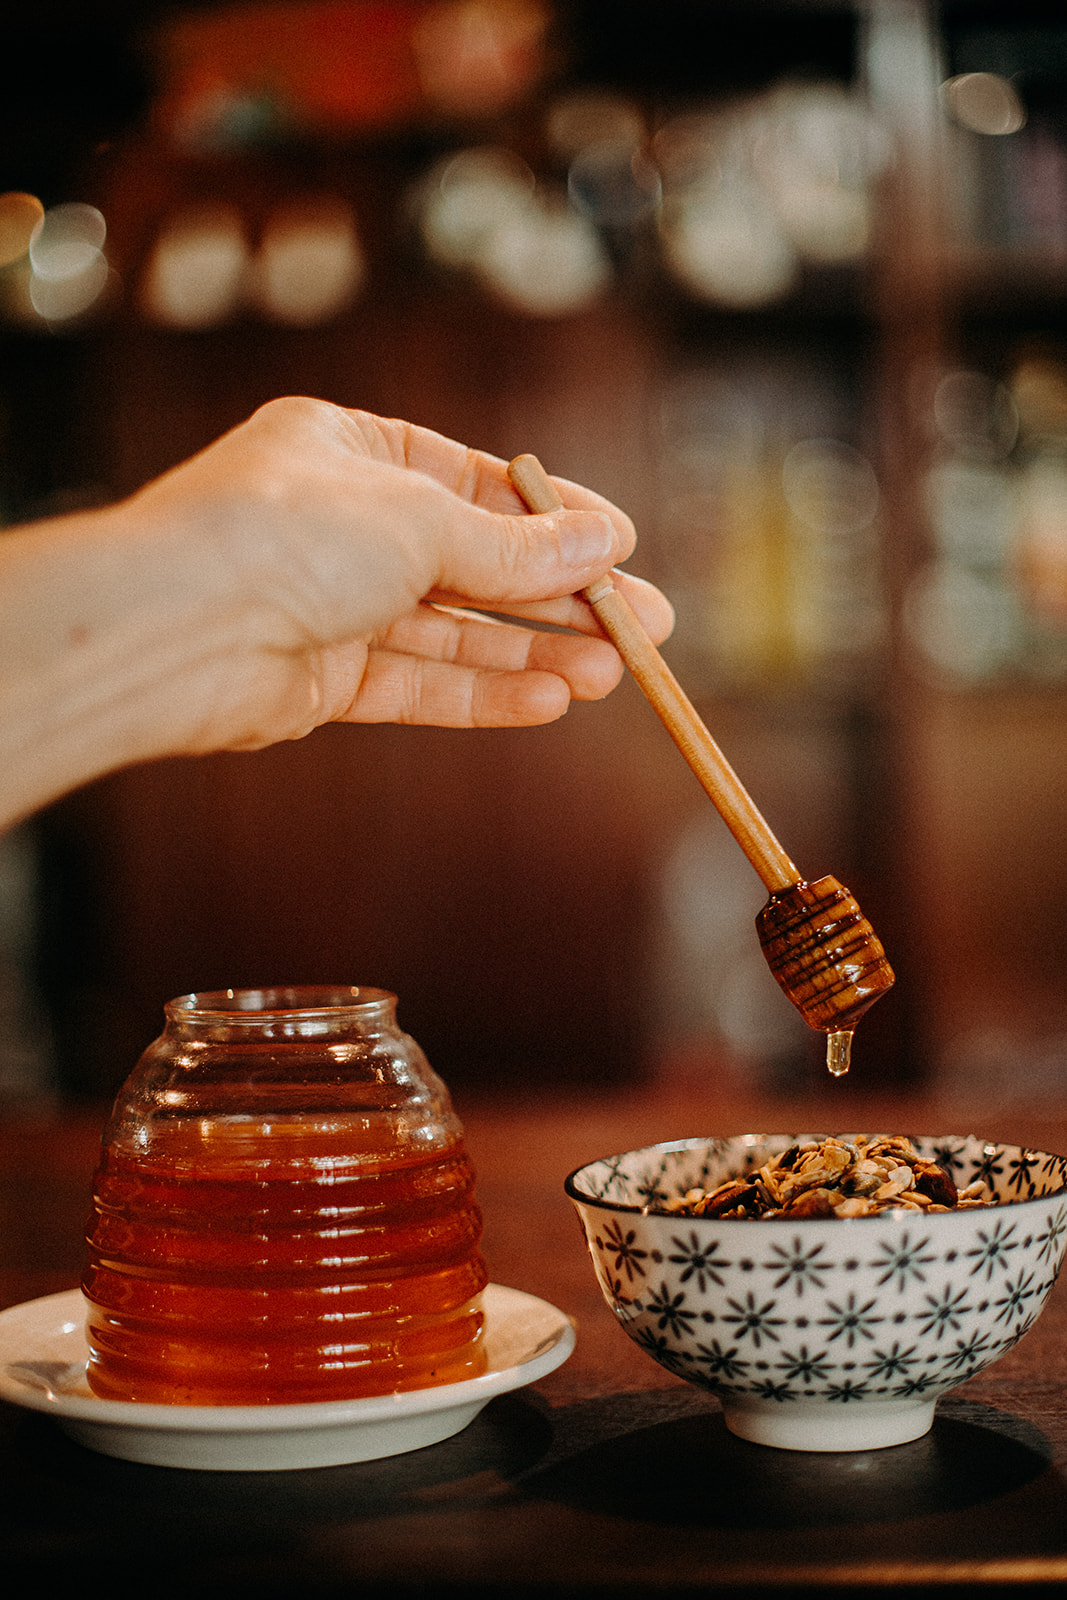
42,1368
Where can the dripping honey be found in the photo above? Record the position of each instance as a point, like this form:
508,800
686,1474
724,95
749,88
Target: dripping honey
839,1051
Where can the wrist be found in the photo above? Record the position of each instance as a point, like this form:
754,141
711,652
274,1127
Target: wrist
97,633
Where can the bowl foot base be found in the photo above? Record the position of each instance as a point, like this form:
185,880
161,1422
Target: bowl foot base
828,1427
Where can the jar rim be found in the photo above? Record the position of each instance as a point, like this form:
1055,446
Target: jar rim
288,1001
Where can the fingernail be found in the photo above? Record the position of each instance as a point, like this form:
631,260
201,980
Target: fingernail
586,538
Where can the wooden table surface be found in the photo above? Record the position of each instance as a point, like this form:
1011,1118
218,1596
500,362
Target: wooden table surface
609,1477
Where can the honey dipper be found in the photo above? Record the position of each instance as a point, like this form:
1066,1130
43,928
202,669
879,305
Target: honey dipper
818,944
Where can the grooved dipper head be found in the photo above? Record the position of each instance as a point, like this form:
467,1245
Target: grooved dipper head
824,953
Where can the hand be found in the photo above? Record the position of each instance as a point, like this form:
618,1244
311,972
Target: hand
356,549
313,565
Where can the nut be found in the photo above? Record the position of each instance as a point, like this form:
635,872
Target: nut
835,1178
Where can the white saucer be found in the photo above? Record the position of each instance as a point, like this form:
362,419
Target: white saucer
42,1367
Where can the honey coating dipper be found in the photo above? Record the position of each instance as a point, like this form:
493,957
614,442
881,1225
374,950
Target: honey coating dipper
819,945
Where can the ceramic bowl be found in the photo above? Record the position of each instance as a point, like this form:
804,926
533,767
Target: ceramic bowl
824,1333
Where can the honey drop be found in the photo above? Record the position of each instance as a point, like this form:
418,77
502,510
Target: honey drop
839,1051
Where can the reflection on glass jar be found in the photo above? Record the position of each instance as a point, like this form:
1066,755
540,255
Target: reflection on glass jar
283,1210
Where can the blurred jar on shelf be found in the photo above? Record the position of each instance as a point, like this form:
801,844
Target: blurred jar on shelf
990,604
1039,385
770,539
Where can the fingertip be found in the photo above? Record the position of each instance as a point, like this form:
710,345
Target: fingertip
649,604
521,699
588,540
576,497
598,673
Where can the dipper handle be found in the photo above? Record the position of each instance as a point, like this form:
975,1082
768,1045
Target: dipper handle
820,947
670,702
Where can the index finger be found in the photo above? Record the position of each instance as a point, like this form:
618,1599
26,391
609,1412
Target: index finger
651,607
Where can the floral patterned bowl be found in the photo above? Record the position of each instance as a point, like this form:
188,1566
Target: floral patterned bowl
824,1333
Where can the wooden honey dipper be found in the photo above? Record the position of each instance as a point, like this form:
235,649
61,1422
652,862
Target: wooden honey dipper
819,945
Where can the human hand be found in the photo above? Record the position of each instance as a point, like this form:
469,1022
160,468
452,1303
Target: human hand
313,565
348,553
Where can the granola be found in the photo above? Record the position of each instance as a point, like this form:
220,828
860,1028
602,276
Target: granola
836,1178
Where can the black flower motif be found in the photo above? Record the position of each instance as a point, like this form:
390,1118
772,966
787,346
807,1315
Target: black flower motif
708,1174
624,1306
611,1172
848,1390
892,1363
1021,1168
669,1311
680,1362
967,1351
1014,1297
950,1156
989,1166
850,1321
902,1259
1055,1229
754,1320
994,1248
699,1261
945,1311
770,1389
798,1266
628,1255
919,1383
651,1190
804,1368
1054,1172
656,1345
720,1362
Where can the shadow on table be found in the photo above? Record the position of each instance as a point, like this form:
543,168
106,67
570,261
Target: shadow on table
689,1470
981,1485
47,1469
657,1456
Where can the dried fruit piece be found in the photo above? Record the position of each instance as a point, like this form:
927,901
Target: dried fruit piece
934,1181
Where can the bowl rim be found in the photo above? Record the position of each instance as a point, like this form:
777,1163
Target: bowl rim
668,1146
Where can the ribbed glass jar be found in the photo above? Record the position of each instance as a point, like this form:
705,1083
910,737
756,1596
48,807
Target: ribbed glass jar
283,1211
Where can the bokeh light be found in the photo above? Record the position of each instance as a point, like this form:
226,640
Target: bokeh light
545,263
990,604
724,243
64,299
754,190
964,624
474,58
66,241
466,197
975,415
984,102
593,117
196,271
816,152
830,487
309,265
481,210
20,214
614,184
68,268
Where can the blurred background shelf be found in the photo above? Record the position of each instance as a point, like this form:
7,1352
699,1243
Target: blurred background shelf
763,275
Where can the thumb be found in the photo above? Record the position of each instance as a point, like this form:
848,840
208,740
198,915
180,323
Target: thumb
506,557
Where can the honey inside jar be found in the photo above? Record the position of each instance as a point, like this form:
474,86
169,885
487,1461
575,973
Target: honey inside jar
283,1211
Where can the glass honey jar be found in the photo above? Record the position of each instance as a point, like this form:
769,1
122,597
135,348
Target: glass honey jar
283,1211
